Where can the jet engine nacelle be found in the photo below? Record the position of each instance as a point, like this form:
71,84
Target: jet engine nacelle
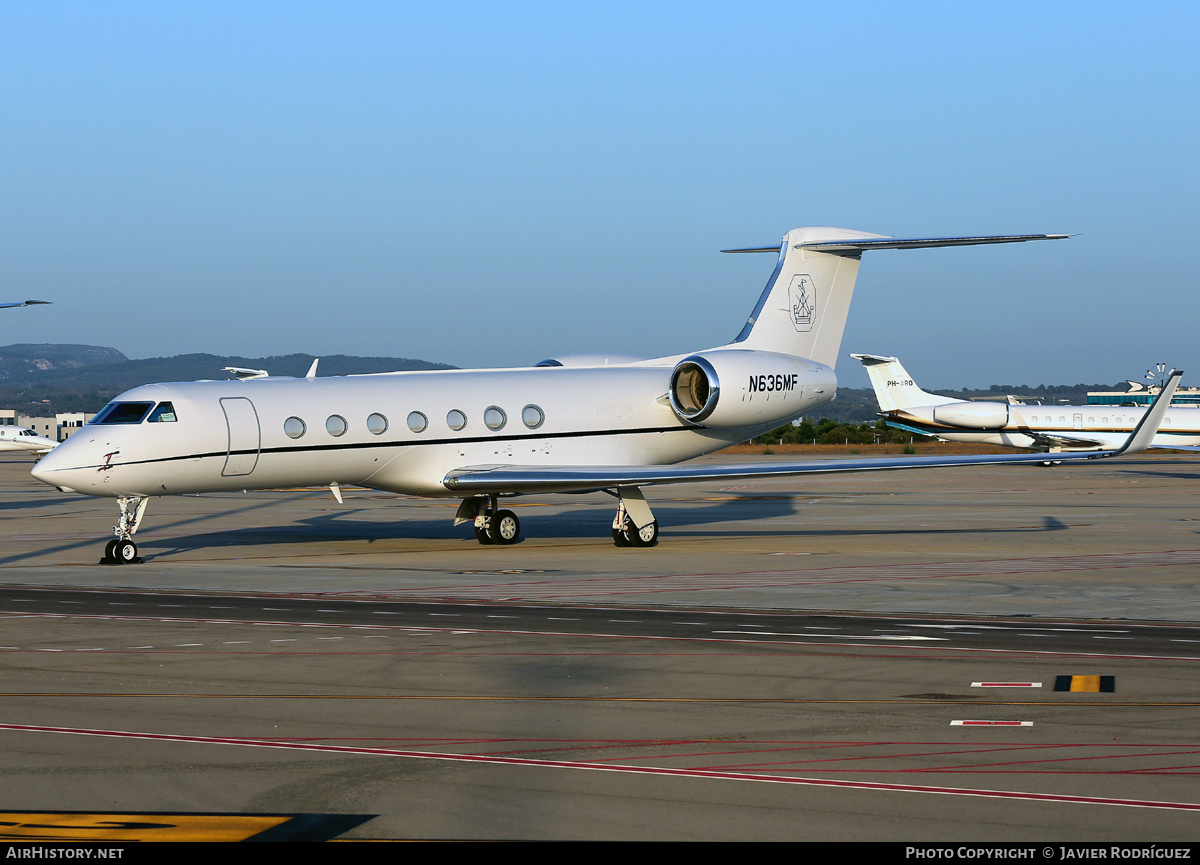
976,415
738,388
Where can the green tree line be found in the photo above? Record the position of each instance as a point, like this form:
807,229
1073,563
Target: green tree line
828,431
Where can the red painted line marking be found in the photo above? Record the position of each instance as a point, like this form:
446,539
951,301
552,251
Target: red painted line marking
636,770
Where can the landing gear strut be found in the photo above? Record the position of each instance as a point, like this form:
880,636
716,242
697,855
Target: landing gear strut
492,525
634,524
121,550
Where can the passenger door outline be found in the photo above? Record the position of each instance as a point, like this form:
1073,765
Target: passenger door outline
245,436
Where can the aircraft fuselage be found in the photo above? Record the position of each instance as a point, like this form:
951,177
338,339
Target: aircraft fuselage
396,431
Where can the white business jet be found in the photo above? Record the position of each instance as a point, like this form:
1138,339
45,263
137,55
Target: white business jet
20,438
569,424
24,440
1054,428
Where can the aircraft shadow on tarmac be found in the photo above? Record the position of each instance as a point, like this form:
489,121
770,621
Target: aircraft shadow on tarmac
30,503
746,514
740,515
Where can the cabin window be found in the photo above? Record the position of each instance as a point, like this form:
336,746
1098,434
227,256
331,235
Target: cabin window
532,416
123,412
1103,420
1091,420
165,413
494,417
377,423
455,419
293,427
417,422
335,425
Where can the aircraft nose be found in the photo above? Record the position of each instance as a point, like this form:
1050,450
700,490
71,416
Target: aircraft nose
53,468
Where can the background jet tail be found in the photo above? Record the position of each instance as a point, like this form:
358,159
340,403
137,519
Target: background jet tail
894,387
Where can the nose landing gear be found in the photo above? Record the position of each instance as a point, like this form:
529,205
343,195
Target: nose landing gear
121,550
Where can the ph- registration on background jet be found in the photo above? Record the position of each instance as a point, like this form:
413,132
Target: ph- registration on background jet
903,405
565,425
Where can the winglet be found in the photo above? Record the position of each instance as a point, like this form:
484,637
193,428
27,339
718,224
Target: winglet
1147,428
312,370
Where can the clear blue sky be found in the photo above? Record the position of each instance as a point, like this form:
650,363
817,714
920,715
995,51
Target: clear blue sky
491,184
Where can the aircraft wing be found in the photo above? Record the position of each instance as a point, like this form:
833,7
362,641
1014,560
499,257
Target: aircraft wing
25,303
564,479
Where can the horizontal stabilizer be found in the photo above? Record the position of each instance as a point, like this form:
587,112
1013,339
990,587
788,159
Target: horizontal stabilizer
874,359
859,245
243,373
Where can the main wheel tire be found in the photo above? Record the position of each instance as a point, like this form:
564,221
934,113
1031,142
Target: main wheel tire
125,552
505,528
619,538
482,536
110,550
646,536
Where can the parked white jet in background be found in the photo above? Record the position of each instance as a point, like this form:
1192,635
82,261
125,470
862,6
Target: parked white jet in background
25,440
903,405
566,425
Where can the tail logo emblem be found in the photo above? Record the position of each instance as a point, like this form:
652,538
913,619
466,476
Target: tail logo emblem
802,302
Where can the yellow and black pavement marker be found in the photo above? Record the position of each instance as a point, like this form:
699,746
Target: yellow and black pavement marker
60,826
1092,684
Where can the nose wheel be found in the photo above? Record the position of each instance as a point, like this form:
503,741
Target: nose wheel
121,550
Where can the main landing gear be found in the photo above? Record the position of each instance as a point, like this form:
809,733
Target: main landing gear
121,550
1052,463
492,525
633,526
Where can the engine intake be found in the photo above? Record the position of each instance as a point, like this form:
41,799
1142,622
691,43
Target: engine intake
733,388
695,389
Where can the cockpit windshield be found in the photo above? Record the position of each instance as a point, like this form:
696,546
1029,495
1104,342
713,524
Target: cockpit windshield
123,412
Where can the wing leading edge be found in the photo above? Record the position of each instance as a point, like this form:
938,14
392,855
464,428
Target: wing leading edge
565,479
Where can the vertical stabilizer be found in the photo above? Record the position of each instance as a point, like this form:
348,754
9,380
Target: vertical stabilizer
802,311
894,387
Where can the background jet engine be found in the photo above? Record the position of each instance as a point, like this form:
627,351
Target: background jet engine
976,415
737,388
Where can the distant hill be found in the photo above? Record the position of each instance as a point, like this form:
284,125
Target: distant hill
46,379
25,360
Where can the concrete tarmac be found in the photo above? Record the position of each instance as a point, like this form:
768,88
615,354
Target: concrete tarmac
446,729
